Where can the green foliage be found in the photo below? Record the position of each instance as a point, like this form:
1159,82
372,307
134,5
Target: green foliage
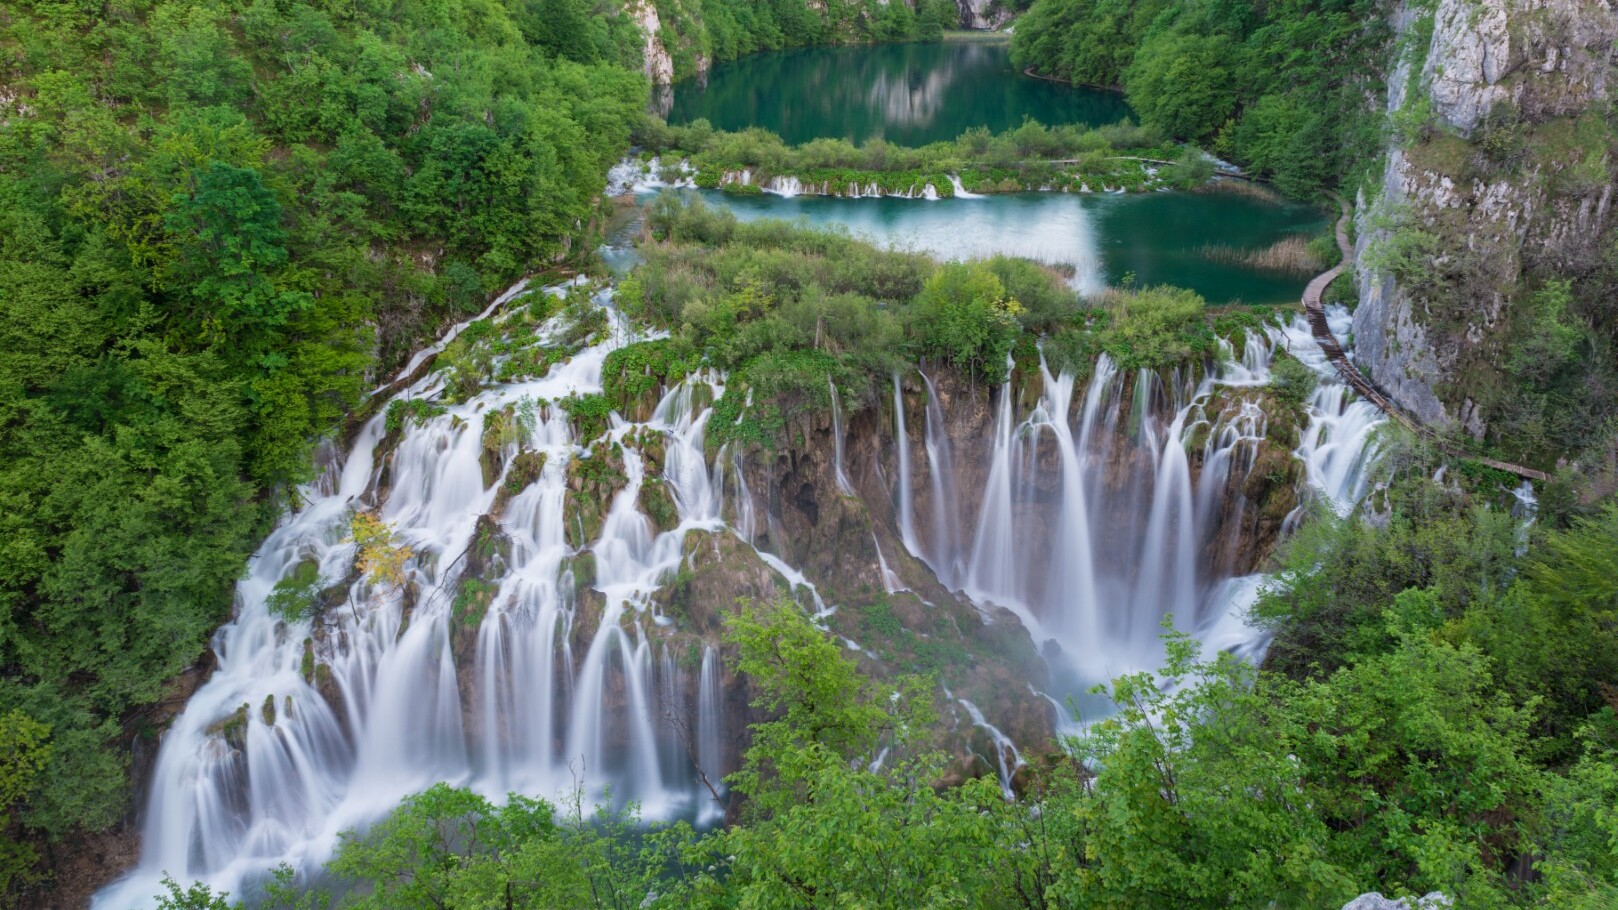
1023,158
590,414
1280,88
1292,381
404,411
1179,82
211,215
196,897
296,597
726,29
964,315
634,371
791,311
1156,327
25,750
448,847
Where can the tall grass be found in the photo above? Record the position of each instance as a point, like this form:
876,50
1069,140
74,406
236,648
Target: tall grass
1290,255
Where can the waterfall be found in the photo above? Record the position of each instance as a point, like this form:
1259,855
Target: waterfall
906,511
961,191
843,486
1072,571
891,583
306,730
709,754
941,470
534,663
994,574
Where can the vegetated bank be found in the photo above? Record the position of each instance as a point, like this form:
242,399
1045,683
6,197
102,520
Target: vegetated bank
1121,157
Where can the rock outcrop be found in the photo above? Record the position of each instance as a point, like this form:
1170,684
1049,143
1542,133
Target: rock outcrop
657,62
1493,182
1375,901
983,14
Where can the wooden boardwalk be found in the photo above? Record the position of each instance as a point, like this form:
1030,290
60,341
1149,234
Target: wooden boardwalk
1333,349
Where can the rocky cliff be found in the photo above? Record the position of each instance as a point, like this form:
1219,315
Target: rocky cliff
1498,177
984,14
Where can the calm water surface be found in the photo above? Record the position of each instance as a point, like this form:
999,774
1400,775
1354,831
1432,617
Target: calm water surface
918,93
1159,238
911,94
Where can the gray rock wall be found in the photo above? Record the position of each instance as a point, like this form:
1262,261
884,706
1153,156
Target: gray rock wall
1523,62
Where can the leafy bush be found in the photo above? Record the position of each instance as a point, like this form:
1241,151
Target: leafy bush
635,370
1292,381
1156,327
964,316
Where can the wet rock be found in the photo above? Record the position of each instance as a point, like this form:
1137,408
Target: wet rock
232,728
524,470
592,482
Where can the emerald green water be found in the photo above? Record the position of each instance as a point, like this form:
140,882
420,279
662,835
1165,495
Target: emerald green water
917,93
911,94
1157,238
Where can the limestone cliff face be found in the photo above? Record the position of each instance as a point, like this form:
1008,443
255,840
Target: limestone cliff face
983,14
659,65
1493,183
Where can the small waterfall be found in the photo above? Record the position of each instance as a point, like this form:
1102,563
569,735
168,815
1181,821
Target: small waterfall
961,191
1004,748
710,756
941,468
843,486
891,582
906,511
784,186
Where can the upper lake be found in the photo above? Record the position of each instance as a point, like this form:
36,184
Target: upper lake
910,94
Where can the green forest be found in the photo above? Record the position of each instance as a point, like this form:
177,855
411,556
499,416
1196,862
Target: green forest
1278,87
224,224
220,224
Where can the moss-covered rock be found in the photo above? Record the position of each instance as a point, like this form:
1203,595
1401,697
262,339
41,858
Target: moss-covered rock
524,470
592,482
657,502
232,728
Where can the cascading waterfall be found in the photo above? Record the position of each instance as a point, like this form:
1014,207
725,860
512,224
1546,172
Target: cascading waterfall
306,731
1094,522
1137,529
906,511
843,486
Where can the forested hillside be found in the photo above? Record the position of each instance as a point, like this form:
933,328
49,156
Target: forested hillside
699,33
218,222
781,570
1283,88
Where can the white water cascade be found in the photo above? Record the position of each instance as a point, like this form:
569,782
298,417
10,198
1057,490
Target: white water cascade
304,732
1099,517
1100,513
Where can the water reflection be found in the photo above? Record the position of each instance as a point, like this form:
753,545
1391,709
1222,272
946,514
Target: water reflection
911,94
1154,238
